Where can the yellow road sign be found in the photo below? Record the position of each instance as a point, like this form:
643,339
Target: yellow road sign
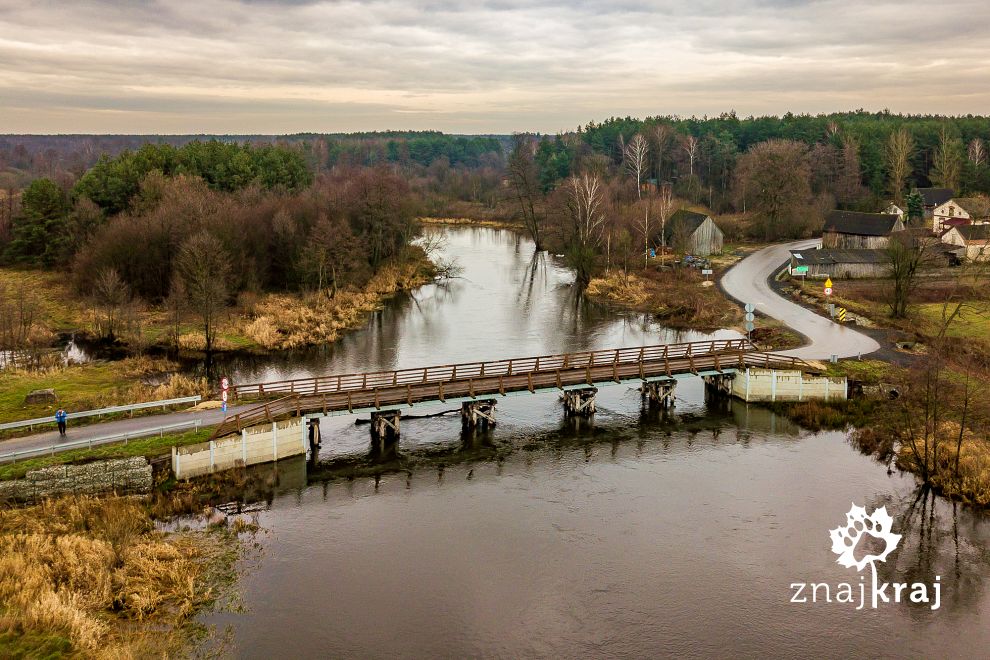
841,314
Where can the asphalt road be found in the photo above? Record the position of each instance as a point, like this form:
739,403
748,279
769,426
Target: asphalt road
747,282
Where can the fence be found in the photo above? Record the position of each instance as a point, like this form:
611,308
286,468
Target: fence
164,403
102,440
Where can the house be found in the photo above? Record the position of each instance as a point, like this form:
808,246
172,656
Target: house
694,233
974,238
855,231
960,211
894,209
840,263
932,197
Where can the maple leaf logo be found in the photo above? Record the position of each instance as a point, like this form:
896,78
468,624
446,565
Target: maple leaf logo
877,525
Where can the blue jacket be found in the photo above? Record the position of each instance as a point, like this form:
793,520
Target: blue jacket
61,416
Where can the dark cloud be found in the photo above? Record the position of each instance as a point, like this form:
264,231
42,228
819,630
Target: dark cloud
494,65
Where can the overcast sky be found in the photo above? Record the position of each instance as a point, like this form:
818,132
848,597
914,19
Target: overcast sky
497,66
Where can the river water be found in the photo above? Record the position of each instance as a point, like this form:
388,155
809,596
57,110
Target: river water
633,534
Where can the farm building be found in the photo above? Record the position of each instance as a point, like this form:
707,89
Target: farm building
975,238
960,211
694,233
932,197
851,230
840,264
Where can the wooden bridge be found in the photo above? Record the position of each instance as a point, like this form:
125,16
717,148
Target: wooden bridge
475,383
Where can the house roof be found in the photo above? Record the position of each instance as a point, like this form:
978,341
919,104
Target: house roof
974,233
684,218
977,207
831,257
935,196
861,224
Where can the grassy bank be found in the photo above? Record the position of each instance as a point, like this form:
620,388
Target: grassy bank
91,577
148,447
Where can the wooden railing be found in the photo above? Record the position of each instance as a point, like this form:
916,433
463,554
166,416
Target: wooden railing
408,386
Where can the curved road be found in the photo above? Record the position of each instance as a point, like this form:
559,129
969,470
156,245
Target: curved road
747,282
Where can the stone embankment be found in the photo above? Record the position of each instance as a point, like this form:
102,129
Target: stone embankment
132,475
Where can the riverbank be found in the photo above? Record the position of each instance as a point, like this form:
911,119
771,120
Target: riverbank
93,577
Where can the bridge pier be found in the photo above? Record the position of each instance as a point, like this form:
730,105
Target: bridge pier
720,384
580,402
315,441
478,413
659,392
384,428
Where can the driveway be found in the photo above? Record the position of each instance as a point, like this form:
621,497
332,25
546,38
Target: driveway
747,282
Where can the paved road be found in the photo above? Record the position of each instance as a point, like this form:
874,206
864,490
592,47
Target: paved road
93,431
747,282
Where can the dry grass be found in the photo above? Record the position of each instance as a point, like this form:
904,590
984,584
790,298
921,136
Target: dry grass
279,321
972,485
678,298
94,572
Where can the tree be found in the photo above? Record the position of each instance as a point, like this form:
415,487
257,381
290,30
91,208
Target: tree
665,208
907,253
947,164
915,207
635,156
774,179
39,235
524,180
203,266
977,152
662,136
900,146
586,212
690,146
111,294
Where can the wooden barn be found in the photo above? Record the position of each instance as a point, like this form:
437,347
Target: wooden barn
693,233
974,238
851,230
840,264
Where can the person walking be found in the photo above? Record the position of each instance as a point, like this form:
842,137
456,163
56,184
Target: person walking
60,418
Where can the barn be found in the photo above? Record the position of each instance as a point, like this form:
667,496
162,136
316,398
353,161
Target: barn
840,264
852,230
689,232
975,238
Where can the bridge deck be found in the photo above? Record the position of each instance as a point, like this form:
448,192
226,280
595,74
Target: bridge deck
355,392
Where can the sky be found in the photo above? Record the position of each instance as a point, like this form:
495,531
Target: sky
492,66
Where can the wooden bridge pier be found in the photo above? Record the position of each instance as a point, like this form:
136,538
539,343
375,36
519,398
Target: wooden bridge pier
659,392
580,402
315,441
384,428
720,384
478,413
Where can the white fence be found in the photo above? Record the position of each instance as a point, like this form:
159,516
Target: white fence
102,440
258,444
164,403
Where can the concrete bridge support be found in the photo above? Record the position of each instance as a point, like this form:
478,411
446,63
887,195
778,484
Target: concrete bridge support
384,428
659,392
580,402
720,385
478,413
313,428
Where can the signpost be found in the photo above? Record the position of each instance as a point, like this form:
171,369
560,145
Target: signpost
750,308
706,272
224,387
828,287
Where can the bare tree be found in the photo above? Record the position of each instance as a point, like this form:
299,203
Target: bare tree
524,180
947,164
203,266
908,254
690,146
900,146
176,304
663,135
635,156
665,208
643,225
111,294
977,152
586,211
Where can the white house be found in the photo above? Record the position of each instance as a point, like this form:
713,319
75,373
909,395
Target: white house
894,209
975,238
960,211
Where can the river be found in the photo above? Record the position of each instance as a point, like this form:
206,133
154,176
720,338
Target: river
634,534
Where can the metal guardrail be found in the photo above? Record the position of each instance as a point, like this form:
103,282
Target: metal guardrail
164,403
94,442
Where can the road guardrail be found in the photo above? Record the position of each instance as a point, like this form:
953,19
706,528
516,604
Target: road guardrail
95,442
40,421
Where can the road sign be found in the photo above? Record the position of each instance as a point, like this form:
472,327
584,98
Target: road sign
223,396
749,326
828,286
223,406
224,383
841,314
749,316
800,270
750,307
706,271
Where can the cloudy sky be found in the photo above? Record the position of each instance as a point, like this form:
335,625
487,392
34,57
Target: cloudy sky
282,66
